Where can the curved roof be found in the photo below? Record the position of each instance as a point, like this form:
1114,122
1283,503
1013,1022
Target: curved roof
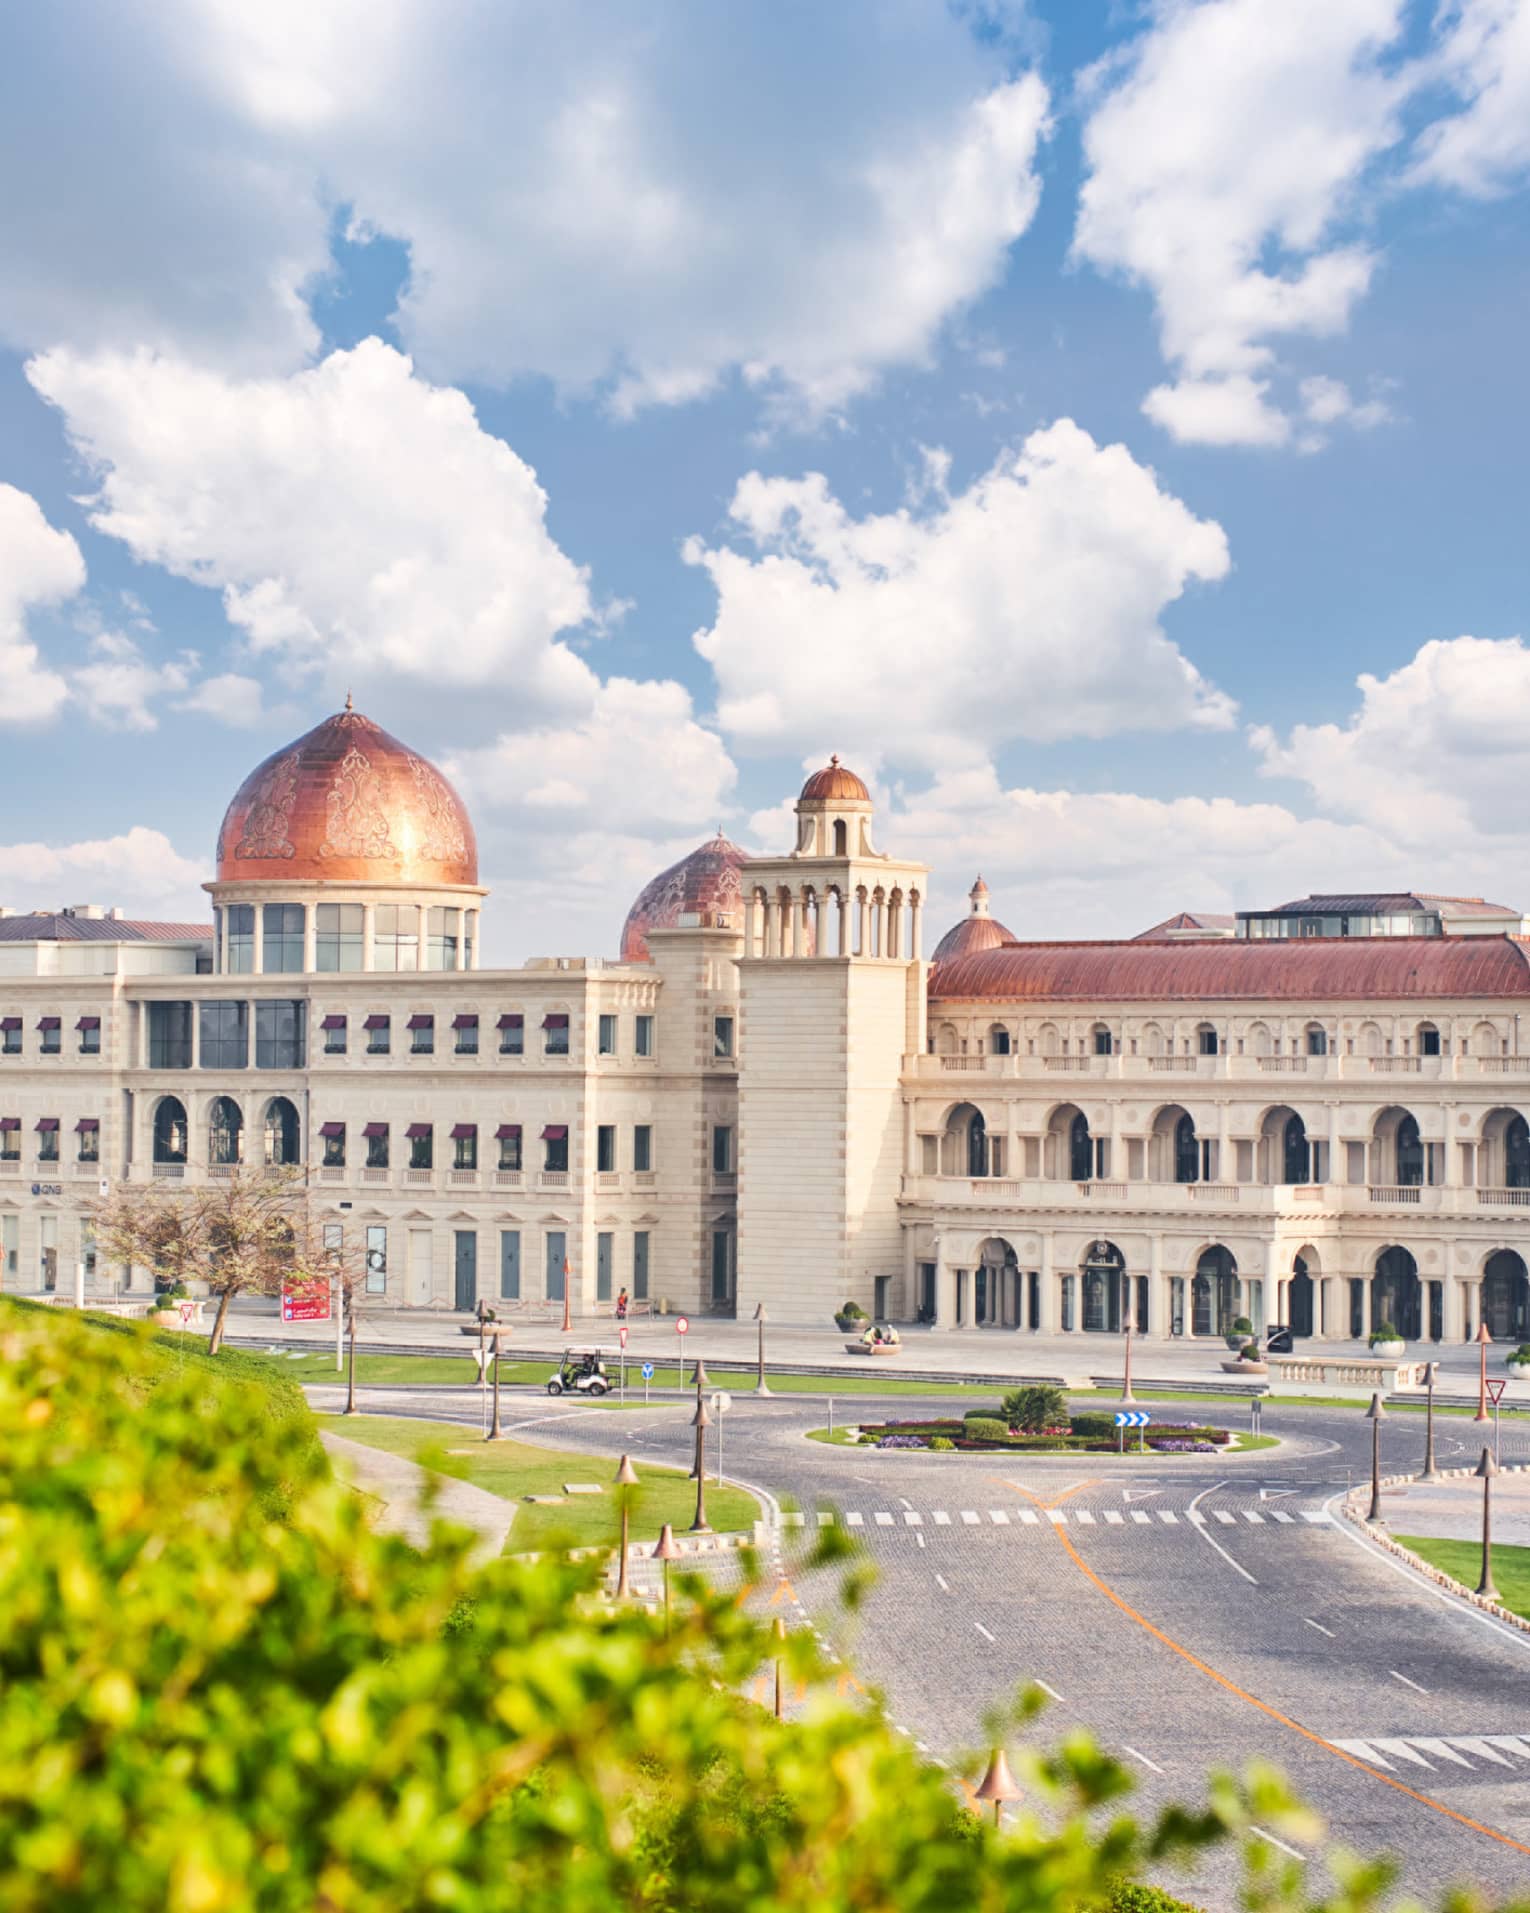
1254,970
347,803
834,784
704,883
969,937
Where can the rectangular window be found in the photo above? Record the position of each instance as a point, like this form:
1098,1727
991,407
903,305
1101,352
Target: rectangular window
88,1130
557,1255
512,1034
443,930
241,938
338,936
604,1255
555,1034
89,1028
640,1266
281,938
47,1139
377,1145
510,1265
465,1146
396,936
722,1035
605,1148
642,1146
50,1030
279,1034
555,1149
10,1139
607,1035
722,1149
1429,1042
466,1028
223,1038
334,1145
377,1258
1317,1042
379,1035
1208,1042
169,1036
10,1035
642,1036
422,1035
509,1138
1102,1043
336,1035
421,1146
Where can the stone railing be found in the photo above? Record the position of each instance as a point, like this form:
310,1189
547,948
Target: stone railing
1353,1369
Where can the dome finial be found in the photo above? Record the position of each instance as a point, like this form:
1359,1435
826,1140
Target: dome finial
348,704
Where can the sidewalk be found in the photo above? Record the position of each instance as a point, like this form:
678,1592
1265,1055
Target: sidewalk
1452,1510
398,1484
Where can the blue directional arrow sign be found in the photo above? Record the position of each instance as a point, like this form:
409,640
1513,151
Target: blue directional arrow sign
648,1371
1133,1418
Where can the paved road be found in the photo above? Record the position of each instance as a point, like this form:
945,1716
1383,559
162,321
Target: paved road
1191,1615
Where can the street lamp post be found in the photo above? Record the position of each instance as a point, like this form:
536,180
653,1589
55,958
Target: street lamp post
701,1378
1485,1470
1482,1338
1375,1415
626,1477
567,1323
1126,1382
760,1319
780,1633
701,1421
495,1432
997,1785
667,1550
1431,1376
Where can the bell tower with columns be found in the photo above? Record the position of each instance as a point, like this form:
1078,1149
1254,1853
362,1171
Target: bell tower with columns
832,998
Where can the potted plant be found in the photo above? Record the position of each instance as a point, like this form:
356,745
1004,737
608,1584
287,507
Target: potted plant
1517,1361
849,1317
1386,1342
165,1312
1239,1333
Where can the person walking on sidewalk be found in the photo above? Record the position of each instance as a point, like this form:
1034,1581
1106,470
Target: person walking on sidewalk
621,1306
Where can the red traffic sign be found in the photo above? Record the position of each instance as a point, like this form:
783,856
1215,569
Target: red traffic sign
621,1335
1495,1390
682,1326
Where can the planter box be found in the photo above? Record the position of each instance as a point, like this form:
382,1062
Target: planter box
1388,1351
873,1348
1245,1368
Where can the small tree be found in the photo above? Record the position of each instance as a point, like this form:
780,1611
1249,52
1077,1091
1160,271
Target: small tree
1036,1407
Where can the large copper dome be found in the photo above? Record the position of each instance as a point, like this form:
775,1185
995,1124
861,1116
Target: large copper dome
347,804
703,884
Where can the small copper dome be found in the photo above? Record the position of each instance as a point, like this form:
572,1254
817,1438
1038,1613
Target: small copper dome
702,884
347,803
976,931
834,784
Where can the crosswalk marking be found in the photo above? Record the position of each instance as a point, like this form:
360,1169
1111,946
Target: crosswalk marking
1142,1519
792,1520
1168,1515
1250,1515
1315,1514
1281,1514
1475,1745
912,1520
825,1519
855,1520
1223,1516
1057,1517
998,1517
1085,1517
1426,1750
1030,1517
1114,1517
882,1518
1431,1744
969,1517
942,1519
1516,1743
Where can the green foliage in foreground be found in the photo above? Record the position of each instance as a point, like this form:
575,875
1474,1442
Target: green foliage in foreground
206,1705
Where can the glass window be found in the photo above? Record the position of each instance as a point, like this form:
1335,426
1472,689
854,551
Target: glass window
396,937
512,1035
642,1146
334,1145
51,1031
465,1146
443,935
279,1034
335,1035
640,1266
379,1035
1317,1041
1208,1041
281,937
224,1130
10,1142
722,1149
169,1036
224,1035
642,1036
422,1035
338,936
241,938
608,1035
466,1028
11,1034
1428,1040
90,1144
509,1148
722,1035
605,1148
422,1140
47,1144
555,1149
998,1041
377,1145
555,1035
90,1036
377,1258
510,1265
1102,1042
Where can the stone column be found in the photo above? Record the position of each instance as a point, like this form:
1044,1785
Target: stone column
1454,1322
1117,1166
461,963
368,932
1048,1287
1160,1308
915,927
258,951
863,922
842,903
1224,1144
945,1291
1337,1167
794,913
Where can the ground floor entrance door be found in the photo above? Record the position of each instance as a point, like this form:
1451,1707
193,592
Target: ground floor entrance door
1300,1290
1506,1298
419,1268
466,1295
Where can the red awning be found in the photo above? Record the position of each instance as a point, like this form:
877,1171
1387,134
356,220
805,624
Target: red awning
422,1022
338,1023
88,1023
47,1122
331,1129
506,1129
10,1022
462,1131
416,1130
375,1129
555,1132
48,1022
10,1122
512,1020
375,1023
87,1122
555,1020
465,1021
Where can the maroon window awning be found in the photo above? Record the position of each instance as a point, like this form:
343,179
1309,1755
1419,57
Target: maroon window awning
331,1129
555,1132
375,1129
375,1023
512,1020
555,1020
47,1122
416,1130
10,1022
88,1023
87,1122
49,1022
338,1023
10,1122
462,1131
465,1021
506,1129
422,1022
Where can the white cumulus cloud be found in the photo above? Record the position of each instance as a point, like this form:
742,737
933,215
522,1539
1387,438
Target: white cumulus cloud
1026,606
1484,148
39,565
139,870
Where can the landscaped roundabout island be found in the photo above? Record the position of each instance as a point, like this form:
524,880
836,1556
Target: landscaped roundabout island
1037,1420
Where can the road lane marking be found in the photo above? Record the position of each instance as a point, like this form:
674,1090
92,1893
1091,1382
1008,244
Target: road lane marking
1282,1514
970,1517
946,1587
1320,1627
855,1521
882,1518
1142,1757
1475,1745
1144,1520
941,1518
920,1539
1168,1517
1256,1519
905,1500
998,1517
984,1632
912,1520
1083,1517
1406,1682
1115,1517
1363,1750
1432,1744
1400,1750
1030,1517
1200,1528
1051,1690
1129,1495
1261,1834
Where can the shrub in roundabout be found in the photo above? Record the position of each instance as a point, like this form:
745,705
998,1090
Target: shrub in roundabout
1035,1407
980,1428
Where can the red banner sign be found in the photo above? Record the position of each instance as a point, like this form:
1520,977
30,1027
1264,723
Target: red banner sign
306,1299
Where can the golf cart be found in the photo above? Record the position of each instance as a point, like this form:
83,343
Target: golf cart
583,1372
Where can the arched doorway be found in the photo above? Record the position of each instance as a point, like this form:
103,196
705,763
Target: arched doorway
1080,1150
225,1128
1297,1152
1410,1153
1215,1293
282,1136
1106,1287
1187,1154
1506,1297
1300,1309
977,1145
996,1286
170,1130
1397,1295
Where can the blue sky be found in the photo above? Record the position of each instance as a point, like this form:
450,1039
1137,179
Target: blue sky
1103,424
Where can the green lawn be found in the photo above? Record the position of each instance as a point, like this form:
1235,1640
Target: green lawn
513,1470
1462,1561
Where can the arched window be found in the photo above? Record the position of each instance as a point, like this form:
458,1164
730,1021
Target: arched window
1187,1154
841,838
1428,1039
1410,1153
1103,1042
170,1130
1317,1040
224,1131
1080,1149
1298,1156
1516,1154
1206,1040
998,1040
977,1145
281,1133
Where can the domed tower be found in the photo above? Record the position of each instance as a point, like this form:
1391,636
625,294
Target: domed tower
700,891
346,850
978,930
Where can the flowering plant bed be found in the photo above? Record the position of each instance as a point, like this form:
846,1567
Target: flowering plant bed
1091,1438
